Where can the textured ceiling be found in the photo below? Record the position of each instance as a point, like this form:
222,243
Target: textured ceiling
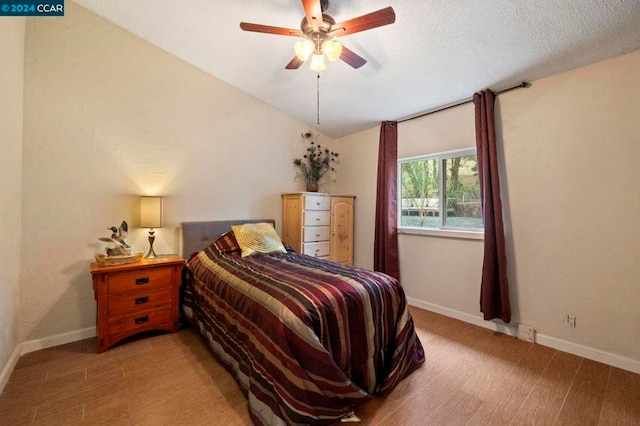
436,53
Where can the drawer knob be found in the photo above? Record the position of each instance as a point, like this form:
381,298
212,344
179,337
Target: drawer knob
141,300
318,235
317,219
142,320
142,281
317,203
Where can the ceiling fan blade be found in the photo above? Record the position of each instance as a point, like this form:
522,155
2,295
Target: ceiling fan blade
294,64
371,20
353,59
313,13
259,28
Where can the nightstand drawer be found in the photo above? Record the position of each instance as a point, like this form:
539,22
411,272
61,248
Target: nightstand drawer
140,280
138,301
140,320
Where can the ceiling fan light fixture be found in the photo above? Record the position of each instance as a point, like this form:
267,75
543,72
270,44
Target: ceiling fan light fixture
317,62
332,49
304,49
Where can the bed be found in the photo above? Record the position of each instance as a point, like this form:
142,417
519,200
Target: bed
307,340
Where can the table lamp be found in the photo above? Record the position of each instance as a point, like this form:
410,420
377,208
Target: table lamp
151,217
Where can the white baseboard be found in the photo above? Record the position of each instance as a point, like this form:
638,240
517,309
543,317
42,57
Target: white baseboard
58,339
552,342
463,316
608,358
9,366
36,345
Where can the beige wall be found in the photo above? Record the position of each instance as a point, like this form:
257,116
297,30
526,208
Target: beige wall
358,169
109,117
570,146
11,86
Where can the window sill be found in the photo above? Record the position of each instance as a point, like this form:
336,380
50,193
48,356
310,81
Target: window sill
444,233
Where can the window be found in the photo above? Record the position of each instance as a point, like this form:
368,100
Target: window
440,192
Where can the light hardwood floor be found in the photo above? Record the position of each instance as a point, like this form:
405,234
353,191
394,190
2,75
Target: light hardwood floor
472,376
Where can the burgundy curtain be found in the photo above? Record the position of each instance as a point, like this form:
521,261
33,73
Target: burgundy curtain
494,290
385,246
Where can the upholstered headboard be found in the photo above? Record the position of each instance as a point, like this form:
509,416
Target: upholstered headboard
196,236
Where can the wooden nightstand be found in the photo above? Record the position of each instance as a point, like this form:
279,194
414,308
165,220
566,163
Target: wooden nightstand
136,297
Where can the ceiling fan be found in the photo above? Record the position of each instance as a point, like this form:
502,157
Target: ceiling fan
318,31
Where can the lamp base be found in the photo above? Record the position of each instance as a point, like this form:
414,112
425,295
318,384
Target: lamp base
151,254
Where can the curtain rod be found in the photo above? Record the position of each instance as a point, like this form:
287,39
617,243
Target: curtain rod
522,85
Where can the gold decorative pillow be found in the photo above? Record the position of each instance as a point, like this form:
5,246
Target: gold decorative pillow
258,238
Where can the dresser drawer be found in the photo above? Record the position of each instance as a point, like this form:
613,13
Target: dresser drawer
317,202
140,320
316,233
143,279
316,249
316,218
138,301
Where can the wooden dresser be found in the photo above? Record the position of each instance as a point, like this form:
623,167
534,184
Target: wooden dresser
136,297
319,225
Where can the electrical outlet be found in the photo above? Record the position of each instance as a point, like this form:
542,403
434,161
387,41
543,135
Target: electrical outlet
526,333
571,320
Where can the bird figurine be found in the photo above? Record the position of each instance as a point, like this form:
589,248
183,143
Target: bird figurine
123,231
118,237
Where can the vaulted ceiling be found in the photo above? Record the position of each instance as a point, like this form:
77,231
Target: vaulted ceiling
437,52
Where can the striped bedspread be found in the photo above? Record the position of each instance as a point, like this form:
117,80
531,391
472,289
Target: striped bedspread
307,340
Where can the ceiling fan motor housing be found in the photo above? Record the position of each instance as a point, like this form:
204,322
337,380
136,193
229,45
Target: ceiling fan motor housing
323,27
320,36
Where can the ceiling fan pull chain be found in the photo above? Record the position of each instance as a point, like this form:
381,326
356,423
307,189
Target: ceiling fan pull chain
318,101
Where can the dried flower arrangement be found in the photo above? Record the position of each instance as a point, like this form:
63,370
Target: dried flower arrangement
315,163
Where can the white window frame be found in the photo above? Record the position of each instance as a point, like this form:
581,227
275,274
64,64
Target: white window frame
441,230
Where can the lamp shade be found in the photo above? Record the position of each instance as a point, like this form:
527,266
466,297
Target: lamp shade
317,63
332,49
151,212
304,49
